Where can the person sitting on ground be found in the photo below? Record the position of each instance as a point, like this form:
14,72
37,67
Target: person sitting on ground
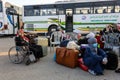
94,58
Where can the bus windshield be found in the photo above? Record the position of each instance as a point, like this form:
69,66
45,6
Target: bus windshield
0,6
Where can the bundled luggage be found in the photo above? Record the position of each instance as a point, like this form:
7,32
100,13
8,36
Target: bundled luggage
67,57
64,43
112,60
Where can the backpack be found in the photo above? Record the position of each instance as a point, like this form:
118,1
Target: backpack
112,60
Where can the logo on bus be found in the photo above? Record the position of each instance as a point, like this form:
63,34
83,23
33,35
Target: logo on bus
84,17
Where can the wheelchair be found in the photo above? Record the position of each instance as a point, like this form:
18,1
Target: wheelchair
21,52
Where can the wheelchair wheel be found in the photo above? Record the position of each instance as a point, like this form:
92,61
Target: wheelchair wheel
27,60
16,54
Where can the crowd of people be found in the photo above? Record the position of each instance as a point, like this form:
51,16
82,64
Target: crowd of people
94,56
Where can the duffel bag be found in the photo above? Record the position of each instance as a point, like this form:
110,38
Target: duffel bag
67,57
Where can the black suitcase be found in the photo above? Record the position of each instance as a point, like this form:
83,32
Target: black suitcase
112,60
37,51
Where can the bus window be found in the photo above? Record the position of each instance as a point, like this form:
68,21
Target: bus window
43,12
36,12
100,10
88,11
96,11
117,8
69,11
0,6
82,10
104,9
111,9
61,12
30,13
51,11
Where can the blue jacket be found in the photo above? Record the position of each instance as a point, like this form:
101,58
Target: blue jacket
94,60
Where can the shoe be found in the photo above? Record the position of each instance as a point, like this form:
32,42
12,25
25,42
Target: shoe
117,71
99,74
36,60
91,72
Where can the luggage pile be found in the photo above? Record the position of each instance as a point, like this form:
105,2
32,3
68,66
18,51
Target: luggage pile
67,54
43,42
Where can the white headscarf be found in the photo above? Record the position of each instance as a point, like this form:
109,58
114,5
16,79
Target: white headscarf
90,35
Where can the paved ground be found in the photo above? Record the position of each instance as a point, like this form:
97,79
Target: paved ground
45,69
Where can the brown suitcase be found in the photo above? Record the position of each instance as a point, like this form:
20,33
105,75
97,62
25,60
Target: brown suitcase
67,57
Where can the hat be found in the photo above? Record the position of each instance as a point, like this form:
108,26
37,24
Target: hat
90,35
92,40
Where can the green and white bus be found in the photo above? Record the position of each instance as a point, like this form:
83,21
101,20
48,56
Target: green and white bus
9,18
85,16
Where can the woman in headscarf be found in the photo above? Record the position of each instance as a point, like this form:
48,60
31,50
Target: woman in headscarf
94,58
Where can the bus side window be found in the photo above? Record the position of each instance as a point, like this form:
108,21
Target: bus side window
50,13
37,13
104,11
112,10
43,13
31,13
88,11
96,11
81,12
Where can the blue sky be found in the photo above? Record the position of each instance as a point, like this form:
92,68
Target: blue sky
28,2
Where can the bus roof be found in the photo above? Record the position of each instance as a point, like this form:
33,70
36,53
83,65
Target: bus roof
70,2
76,1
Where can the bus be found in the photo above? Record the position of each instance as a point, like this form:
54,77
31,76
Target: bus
9,18
83,16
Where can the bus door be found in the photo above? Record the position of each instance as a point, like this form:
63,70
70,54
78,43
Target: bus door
69,20
13,19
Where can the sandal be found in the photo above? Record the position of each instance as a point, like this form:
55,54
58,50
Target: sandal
118,70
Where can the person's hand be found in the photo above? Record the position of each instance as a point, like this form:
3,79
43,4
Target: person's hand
104,61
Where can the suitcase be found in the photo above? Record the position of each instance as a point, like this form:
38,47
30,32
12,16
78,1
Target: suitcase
112,60
37,51
67,57
43,42
45,50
